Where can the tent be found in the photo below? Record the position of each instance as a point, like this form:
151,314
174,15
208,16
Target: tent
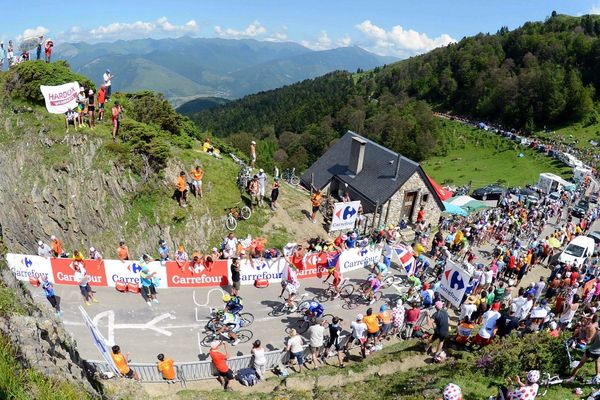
454,209
443,194
467,203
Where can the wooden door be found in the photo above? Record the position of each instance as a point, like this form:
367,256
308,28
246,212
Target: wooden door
408,205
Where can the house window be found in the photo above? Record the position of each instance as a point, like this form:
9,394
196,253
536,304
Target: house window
425,197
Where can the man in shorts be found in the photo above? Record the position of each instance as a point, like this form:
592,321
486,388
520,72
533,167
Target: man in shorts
254,190
295,347
335,339
148,290
316,334
592,353
235,277
197,175
116,119
359,328
101,101
262,186
219,359
82,278
165,366
372,323
70,119
120,361
440,331
315,201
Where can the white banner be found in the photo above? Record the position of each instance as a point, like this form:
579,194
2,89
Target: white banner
344,216
99,340
129,272
359,257
60,99
253,269
25,266
454,283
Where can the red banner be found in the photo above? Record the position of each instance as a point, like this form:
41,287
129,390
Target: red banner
63,273
216,276
314,265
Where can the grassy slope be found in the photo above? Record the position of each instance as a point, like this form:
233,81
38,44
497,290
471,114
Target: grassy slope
577,134
481,158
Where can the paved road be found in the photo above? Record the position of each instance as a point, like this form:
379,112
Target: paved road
175,325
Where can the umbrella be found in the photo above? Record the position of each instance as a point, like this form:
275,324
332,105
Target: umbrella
28,44
453,209
553,242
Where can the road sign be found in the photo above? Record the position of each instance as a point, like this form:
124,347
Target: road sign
454,283
344,216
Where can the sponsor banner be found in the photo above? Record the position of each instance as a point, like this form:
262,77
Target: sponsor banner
217,276
25,266
253,269
315,264
344,216
129,272
63,273
359,257
60,99
99,341
454,283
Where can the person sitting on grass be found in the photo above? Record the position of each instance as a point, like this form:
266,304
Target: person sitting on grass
71,119
463,331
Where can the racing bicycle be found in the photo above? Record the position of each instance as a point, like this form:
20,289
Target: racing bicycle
284,308
212,333
236,213
247,318
289,175
329,293
303,323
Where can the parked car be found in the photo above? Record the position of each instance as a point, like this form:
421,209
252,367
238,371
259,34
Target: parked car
530,195
491,192
596,236
594,198
578,250
580,209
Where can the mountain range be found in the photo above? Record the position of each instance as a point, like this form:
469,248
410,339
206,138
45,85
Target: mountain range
186,68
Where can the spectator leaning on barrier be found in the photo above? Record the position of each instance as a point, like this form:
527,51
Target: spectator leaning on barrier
259,360
44,250
120,361
166,367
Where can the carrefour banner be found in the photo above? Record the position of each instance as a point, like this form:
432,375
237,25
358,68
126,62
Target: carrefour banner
62,98
454,283
24,266
344,216
359,257
256,268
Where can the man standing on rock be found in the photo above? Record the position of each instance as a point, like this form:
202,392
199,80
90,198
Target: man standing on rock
83,279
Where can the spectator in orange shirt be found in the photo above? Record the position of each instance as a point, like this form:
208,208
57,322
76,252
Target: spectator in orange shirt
165,366
219,359
182,192
123,251
56,245
315,200
197,175
385,318
120,361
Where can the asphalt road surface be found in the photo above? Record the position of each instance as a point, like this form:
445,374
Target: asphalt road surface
175,326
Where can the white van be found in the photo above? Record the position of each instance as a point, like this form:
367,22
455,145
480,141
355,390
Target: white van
577,251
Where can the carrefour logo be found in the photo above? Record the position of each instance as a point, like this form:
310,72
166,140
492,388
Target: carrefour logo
363,252
455,281
27,262
135,268
345,213
261,266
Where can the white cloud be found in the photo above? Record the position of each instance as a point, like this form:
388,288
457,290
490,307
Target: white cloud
130,30
323,42
595,9
33,32
399,41
345,41
252,30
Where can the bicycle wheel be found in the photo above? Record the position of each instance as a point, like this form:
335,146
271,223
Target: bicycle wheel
230,222
302,325
244,335
279,310
245,212
247,318
294,180
208,339
347,291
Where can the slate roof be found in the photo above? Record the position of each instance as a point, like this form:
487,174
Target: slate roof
376,180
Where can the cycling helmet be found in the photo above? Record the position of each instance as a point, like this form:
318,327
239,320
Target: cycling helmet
533,376
226,297
452,392
304,307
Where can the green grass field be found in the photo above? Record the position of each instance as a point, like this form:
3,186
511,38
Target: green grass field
578,135
473,155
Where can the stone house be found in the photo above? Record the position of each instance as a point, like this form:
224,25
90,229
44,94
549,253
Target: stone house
390,187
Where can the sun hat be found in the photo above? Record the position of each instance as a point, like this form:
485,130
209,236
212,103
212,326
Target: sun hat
261,170
52,237
398,302
92,249
90,91
253,142
214,344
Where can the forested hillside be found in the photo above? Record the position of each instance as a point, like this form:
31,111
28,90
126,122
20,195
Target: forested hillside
541,74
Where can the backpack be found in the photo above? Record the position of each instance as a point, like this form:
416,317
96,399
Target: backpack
247,377
261,283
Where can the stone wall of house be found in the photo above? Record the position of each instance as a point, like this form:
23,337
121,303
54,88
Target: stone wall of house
395,204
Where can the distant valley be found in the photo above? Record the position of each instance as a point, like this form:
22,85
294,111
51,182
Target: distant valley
187,68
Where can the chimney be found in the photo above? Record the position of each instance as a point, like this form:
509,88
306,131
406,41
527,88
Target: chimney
397,167
357,155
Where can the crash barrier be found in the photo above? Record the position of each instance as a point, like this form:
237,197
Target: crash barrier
198,370
168,274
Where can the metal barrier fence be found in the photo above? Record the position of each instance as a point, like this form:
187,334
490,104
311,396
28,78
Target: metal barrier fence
197,370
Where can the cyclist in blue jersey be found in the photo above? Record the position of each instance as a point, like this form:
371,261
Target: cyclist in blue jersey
380,269
233,304
312,309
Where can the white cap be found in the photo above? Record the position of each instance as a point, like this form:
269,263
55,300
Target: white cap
359,317
92,249
40,243
214,344
214,249
52,237
261,170
253,142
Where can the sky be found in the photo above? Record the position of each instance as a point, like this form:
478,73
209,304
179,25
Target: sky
400,28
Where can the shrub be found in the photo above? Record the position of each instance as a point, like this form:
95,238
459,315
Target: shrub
24,80
515,355
147,140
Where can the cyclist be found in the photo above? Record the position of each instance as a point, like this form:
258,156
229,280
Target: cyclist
291,284
231,323
233,304
312,309
380,269
373,287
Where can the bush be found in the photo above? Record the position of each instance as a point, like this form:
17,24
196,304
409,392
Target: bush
24,80
147,140
516,355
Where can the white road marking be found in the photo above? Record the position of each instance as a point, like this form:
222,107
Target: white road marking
207,297
112,326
